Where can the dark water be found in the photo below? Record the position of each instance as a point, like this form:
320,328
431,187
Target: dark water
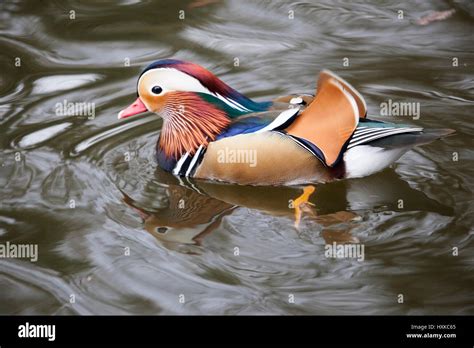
123,237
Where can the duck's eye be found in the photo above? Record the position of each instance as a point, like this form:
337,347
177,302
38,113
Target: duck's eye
161,230
157,89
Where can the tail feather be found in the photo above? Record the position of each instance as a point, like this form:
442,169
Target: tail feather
371,157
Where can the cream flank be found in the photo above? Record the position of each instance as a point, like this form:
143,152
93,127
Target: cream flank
228,155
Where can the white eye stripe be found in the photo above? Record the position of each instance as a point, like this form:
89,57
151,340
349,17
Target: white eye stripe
170,79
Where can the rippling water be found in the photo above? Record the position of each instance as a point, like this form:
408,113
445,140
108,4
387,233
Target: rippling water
109,224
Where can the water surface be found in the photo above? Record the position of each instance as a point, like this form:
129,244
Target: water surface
110,226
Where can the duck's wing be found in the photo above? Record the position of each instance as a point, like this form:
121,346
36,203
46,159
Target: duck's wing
327,124
327,75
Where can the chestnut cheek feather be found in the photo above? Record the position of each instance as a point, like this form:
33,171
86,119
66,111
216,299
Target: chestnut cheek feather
189,123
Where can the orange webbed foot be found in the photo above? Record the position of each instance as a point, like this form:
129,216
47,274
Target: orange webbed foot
302,204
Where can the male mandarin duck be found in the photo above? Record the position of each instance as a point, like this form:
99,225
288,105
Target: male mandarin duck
210,130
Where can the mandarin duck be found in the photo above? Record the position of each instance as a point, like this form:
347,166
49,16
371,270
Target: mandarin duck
211,131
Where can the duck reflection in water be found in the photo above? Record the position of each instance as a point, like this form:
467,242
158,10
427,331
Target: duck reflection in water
196,208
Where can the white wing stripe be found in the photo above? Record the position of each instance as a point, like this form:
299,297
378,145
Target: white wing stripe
180,163
383,132
194,160
280,120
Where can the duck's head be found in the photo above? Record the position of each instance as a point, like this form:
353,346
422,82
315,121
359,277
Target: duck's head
194,104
